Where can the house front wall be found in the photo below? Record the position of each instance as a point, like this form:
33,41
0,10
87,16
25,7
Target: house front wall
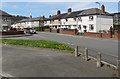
86,22
94,24
103,22
5,23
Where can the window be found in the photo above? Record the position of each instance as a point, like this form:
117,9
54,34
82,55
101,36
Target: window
79,18
84,26
66,19
90,18
74,19
79,27
91,27
4,19
58,19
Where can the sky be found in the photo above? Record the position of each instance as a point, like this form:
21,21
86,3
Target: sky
37,9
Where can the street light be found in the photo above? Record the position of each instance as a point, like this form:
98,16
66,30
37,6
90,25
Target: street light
100,15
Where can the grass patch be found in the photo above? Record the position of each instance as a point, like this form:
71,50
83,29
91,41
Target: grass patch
37,43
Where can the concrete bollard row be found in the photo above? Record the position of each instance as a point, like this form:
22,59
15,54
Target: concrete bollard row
98,63
86,54
118,69
76,51
98,59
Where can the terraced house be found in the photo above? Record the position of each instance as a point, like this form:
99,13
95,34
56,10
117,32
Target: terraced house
5,21
31,23
91,20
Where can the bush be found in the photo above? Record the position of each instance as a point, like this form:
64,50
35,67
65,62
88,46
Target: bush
41,28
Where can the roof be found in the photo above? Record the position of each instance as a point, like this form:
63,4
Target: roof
3,13
32,19
91,11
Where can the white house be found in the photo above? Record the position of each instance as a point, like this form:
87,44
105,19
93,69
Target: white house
5,21
91,20
24,24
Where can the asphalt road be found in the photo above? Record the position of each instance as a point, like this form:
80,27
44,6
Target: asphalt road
108,47
19,61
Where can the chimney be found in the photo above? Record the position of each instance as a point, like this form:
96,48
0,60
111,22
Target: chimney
49,16
103,9
58,12
69,10
30,17
43,17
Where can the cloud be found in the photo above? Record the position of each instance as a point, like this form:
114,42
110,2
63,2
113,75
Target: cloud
14,6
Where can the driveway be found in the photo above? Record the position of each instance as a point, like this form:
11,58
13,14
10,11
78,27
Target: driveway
20,61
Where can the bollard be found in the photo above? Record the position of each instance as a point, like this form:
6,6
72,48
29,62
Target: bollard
98,59
76,51
86,54
118,69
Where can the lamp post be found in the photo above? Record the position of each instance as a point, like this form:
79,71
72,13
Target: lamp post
100,16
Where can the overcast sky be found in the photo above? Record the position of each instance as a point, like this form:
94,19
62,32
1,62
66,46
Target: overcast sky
49,8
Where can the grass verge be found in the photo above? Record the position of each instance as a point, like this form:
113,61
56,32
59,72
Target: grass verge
37,43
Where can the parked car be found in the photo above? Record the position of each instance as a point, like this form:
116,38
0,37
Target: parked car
30,30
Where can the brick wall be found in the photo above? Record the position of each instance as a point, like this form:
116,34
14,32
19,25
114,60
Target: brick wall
12,33
103,35
47,30
69,31
107,35
55,30
92,34
116,35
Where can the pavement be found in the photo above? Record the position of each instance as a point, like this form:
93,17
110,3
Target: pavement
21,61
108,47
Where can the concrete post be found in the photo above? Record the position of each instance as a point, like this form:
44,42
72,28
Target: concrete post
98,59
118,69
76,51
86,54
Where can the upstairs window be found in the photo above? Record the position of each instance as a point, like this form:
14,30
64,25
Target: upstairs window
79,27
50,21
79,18
59,20
66,19
5,19
91,18
74,19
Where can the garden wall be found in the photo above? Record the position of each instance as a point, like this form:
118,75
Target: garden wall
12,33
69,31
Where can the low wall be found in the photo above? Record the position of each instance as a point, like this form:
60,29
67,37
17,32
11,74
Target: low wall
107,35
55,30
69,31
12,33
103,35
92,34
47,30
116,35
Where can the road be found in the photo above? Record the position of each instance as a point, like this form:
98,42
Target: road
108,47
21,61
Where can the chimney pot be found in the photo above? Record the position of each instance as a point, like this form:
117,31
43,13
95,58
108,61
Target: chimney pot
30,17
69,10
103,9
43,17
49,16
58,12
